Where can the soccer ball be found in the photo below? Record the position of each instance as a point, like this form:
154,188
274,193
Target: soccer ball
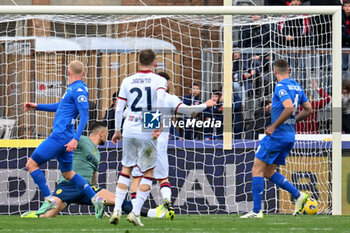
310,207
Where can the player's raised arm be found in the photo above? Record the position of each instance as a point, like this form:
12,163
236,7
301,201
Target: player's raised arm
194,109
41,107
307,111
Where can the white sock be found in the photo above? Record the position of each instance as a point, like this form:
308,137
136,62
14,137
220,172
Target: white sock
141,196
152,213
119,198
120,193
133,201
166,193
139,201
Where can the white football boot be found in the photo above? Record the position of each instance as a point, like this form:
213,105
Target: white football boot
252,214
134,219
115,217
300,202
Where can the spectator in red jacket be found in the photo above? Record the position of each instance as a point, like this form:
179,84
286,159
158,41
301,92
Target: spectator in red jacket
310,124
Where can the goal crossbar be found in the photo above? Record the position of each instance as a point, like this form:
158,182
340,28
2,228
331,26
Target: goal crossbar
169,10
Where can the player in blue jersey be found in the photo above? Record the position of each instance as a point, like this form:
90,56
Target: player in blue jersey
279,139
63,141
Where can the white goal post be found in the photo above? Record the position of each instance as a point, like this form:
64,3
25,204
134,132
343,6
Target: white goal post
335,11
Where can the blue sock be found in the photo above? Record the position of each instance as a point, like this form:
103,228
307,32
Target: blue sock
82,185
40,180
257,190
127,206
282,182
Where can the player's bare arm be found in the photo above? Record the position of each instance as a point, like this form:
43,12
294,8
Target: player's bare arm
117,137
195,109
307,111
40,107
287,112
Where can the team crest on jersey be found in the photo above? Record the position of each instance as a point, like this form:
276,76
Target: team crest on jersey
59,191
152,120
282,93
82,98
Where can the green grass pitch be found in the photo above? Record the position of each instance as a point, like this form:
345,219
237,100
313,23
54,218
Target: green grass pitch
182,223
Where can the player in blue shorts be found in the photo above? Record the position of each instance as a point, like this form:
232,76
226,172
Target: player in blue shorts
279,139
63,140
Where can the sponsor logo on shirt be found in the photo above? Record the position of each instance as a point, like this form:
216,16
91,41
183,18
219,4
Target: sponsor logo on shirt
92,159
294,87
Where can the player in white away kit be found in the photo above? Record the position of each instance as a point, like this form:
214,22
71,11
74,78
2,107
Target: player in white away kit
143,91
172,105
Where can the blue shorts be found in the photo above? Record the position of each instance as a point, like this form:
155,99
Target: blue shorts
69,194
53,147
273,151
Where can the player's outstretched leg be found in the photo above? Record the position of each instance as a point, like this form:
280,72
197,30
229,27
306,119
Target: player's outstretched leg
40,180
300,197
84,187
165,190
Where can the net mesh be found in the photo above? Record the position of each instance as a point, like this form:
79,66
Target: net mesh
36,50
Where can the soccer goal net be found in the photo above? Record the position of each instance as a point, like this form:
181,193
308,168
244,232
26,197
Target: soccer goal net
35,51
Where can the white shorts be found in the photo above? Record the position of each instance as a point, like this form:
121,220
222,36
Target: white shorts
161,170
139,152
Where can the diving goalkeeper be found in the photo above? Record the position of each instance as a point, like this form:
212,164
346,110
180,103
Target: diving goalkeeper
85,162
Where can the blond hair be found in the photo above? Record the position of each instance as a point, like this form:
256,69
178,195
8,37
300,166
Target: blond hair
76,67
